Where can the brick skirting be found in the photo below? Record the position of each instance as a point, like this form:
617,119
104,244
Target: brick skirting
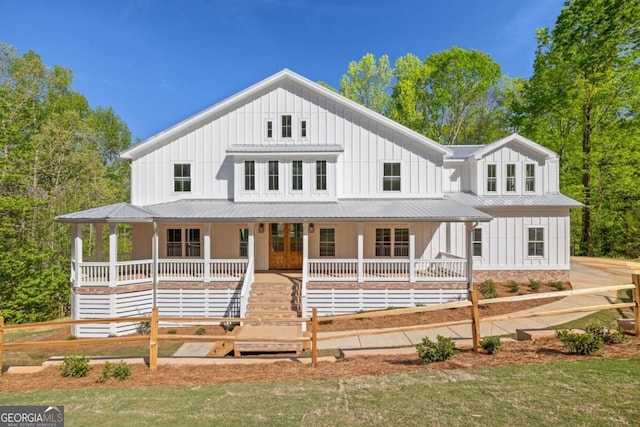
521,276
123,289
390,285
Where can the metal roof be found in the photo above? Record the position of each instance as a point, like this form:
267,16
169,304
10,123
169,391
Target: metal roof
285,149
546,200
119,212
463,151
365,210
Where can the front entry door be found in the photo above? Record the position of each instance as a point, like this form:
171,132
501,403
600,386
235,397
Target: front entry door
285,246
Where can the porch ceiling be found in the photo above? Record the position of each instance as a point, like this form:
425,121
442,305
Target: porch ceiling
446,210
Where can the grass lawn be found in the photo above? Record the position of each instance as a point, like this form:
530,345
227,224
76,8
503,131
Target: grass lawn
606,317
594,392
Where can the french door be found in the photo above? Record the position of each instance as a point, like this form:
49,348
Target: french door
285,246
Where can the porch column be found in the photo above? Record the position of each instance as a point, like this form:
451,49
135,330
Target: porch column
469,226
360,252
207,252
412,253
305,251
76,253
154,263
113,255
99,242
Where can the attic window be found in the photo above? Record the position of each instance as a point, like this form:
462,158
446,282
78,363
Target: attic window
286,126
269,129
303,128
391,177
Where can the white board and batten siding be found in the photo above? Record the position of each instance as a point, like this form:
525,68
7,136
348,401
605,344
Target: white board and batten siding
354,173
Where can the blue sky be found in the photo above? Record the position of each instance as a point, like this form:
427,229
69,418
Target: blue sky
157,62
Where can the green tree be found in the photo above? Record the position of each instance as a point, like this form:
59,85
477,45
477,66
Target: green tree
368,82
454,97
56,155
582,101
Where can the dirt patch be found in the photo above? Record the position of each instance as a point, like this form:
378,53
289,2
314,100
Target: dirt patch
515,353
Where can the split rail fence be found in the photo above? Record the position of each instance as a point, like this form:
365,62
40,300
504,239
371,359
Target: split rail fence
310,340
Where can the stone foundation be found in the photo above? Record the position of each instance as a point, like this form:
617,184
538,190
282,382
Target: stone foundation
521,276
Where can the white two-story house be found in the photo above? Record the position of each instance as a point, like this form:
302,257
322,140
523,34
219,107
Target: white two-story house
287,175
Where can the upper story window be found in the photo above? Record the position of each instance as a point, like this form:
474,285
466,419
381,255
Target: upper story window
321,175
296,174
391,177
327,242
492,179
182,177
535,243
530,177
249,175
476,242
286,126
303,128
511,177
269,128
274,167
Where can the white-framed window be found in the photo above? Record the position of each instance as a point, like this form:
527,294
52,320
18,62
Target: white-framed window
476,242
182,177
327,242
269,129
274,169
249,175
383,242
535,242
530,177
401,242
321,175
296,175
286,126
304,131
510,183
183,241
244,242
391,177
492,178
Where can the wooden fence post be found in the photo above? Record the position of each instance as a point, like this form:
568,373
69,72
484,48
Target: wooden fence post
636,299
314,336
1,343
153,340
475,320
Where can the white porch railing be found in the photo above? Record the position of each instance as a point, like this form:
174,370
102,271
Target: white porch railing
246,289
333,269
141,271
346,270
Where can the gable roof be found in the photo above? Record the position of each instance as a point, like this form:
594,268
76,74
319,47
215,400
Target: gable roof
118,212
285,75
519,139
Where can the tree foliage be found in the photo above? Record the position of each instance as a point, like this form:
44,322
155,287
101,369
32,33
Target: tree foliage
367,82
582,101
56,155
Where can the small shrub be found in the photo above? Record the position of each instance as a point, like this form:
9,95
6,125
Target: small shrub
112,335
390,308
558,286
430,351
587,343
75,366
144,328
488,289
105,373
229,327
172,332
200,330
326,322
514,286
72,338
610,335
491,345
419,304
534,285
121,371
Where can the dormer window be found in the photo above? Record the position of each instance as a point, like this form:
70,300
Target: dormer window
286,126
492,180
391,177
530,178
182,177
511,178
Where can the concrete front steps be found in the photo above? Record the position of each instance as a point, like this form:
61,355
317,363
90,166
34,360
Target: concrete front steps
272,297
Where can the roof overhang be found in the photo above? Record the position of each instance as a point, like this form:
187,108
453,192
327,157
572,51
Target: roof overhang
116,213
252,151
524,201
